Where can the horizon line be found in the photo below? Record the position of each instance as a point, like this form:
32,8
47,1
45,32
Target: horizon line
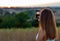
37,5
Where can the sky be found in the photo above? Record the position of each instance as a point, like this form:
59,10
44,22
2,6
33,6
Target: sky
26,3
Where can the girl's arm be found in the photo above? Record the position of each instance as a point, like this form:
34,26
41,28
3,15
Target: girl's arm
41,34
56,38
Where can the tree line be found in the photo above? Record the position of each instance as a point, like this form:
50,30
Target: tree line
20,20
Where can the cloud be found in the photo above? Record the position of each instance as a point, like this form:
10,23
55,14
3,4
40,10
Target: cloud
25,3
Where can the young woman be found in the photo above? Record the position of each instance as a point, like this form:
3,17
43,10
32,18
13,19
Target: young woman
47,26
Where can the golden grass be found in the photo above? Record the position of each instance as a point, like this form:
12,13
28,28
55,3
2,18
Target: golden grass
27,34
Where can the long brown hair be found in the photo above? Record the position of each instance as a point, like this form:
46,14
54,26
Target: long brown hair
48,23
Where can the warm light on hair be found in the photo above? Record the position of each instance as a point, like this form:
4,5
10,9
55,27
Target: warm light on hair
48,23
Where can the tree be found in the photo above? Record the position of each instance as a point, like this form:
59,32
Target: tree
22,19
13,13
7,13
1,21
1,12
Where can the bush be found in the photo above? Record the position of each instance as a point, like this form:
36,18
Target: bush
18,20
35,23
58,24
1,22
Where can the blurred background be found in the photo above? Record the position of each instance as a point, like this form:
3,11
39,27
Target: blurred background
19,18
21,23
23,17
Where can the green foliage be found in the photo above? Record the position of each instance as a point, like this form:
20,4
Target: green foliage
58,24
20,20
16,20
1,11
35,23
1,21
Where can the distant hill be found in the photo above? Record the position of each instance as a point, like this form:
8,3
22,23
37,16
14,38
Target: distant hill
22,9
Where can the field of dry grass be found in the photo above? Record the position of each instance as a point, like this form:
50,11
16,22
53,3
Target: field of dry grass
27,34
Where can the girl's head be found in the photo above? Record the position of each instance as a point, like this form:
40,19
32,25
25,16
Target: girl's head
47,22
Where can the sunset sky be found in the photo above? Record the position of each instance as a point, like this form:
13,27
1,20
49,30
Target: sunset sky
27,3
